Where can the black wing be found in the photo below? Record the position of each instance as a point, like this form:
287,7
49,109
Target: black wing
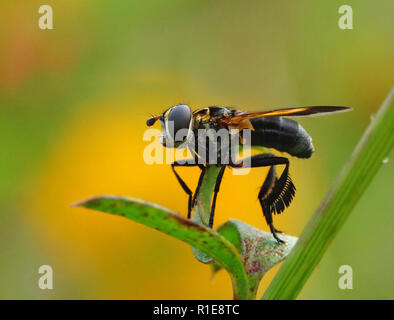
289,112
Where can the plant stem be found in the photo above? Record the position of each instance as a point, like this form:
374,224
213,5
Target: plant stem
201,215
363,164
204,197
203,206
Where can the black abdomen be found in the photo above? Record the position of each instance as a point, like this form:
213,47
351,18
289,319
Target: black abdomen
282,134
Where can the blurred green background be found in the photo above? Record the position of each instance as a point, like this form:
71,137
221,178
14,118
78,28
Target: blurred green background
73,105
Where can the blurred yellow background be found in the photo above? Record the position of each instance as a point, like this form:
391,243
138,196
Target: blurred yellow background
73,105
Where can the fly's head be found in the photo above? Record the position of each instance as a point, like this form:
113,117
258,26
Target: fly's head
176,126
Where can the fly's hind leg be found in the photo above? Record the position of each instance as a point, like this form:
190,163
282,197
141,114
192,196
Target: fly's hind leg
265,190
275,194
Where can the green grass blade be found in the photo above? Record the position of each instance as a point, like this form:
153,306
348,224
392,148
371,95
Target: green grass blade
166,221
365,161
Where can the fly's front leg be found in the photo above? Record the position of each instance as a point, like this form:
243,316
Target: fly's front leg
188,163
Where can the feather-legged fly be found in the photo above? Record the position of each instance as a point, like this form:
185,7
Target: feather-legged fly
267,129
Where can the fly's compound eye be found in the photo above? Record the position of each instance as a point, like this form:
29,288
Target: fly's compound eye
178,122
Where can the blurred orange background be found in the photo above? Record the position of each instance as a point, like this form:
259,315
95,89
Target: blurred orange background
73,105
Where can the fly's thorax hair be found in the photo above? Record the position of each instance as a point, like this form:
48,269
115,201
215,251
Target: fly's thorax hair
216,145
210,115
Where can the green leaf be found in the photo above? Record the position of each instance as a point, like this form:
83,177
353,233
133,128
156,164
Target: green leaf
173,224
230,231
365,161
259,250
